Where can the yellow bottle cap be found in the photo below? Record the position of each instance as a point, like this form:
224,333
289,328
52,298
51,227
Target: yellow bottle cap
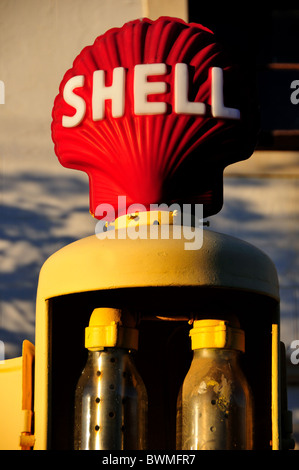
107,330
216,334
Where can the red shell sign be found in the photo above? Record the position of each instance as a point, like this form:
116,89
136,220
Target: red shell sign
153,111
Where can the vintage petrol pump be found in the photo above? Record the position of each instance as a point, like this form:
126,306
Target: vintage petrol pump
155,332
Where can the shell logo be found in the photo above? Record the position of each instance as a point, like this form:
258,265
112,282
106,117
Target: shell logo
142,89
154,111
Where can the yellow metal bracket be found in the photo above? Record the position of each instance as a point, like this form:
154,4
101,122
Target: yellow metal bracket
27,438
16,400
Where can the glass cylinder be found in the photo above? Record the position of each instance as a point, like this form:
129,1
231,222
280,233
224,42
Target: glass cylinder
215,406
110,403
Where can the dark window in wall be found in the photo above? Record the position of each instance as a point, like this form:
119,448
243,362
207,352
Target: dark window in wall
265,42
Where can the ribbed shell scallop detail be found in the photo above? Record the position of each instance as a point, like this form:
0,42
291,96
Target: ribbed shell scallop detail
158,158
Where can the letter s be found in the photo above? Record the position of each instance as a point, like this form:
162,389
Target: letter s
295,95
75,101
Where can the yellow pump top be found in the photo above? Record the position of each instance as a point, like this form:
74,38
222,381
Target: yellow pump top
216,334
110,327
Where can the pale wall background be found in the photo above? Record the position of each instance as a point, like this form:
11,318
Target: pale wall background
43,206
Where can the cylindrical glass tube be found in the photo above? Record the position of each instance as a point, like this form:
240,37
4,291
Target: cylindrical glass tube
110,403
215,409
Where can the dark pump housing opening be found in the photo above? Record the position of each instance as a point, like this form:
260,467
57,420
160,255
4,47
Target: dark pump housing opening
164,353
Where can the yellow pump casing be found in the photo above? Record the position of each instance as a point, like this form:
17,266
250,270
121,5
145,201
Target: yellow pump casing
225,273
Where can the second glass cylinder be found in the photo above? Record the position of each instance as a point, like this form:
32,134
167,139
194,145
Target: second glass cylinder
215,407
